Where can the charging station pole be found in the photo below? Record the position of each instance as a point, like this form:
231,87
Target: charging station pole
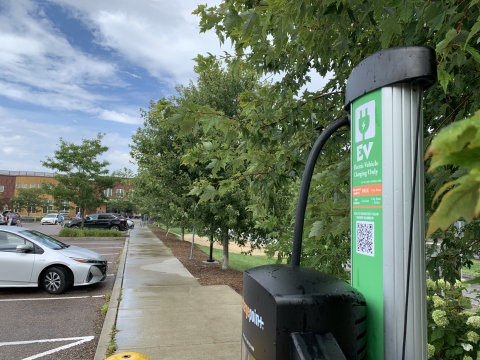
384,96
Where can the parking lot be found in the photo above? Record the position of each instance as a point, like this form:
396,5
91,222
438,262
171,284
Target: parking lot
37,325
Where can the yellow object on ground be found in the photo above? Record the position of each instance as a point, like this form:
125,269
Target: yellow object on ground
128,355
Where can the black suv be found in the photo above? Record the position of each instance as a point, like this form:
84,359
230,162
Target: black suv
99,221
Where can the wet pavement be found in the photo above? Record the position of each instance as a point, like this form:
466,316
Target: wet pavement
164,313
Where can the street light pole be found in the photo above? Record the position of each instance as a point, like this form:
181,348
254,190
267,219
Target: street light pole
193,233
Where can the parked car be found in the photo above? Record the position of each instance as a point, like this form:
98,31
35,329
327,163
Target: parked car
130,223
29,258
51,219
99,221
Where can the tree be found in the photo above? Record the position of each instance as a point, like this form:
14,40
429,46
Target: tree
166,174
296,37
29,199
82,179
162,181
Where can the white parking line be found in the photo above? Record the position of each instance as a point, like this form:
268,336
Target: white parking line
78,341
53,298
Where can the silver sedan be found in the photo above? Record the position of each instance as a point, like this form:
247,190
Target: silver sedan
29,258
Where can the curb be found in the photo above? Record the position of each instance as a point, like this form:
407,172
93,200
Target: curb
111,316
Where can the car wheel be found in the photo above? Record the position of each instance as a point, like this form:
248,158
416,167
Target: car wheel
114,227
55,280
75,227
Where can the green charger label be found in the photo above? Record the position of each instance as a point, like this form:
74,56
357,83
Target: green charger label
366,212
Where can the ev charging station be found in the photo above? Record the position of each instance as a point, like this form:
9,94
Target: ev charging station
290,312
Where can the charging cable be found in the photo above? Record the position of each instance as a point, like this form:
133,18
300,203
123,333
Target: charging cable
305,186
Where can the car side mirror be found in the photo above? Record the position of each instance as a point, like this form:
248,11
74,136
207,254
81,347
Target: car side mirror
23,248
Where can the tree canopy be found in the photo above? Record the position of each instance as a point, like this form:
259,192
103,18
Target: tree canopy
82,178
279,124
168,151
29,199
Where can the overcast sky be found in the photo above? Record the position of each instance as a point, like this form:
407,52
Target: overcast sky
73,68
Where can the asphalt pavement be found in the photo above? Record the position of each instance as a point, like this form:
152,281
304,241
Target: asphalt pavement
36,324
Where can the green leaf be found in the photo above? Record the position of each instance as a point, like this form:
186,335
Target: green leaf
251,20
232,19
317,229
444,78
437,333
450,338
473,52
460,202
212,164
473,31
453,139
226,186
388,29
208,194
445,42
207,145
468,158
341,226
406,9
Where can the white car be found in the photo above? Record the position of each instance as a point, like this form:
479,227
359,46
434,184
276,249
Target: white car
49,219
29,258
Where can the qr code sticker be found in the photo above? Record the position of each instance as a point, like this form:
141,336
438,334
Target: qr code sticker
365,241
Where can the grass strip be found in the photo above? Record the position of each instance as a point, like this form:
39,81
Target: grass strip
239,262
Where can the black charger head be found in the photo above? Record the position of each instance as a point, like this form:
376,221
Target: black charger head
279,300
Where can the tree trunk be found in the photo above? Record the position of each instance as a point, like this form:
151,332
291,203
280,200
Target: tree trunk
225,249
183,233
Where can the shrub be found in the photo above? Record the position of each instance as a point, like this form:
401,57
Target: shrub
453,330
67,232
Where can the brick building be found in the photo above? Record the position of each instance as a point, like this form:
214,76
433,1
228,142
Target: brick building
11,181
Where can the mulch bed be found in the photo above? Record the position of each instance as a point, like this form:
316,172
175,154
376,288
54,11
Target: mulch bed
206,274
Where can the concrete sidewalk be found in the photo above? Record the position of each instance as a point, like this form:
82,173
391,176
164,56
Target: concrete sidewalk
164,313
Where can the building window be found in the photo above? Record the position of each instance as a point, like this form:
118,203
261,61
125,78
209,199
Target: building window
48,207
2,188
24,186
108,192
65,206
119,193
32,186
33,209
18,185
39,186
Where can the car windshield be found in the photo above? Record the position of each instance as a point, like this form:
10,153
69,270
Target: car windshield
44,239
51,215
